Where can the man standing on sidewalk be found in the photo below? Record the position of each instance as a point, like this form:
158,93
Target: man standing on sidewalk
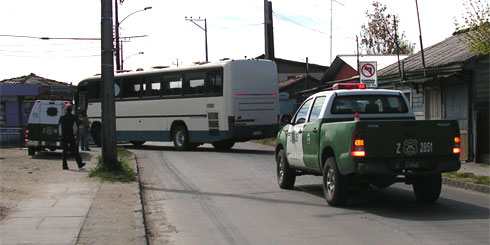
68,127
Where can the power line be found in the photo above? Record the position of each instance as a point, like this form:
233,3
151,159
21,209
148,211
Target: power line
296,23
52,38
48,51
50,57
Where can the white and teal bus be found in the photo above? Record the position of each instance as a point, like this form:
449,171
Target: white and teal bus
218,103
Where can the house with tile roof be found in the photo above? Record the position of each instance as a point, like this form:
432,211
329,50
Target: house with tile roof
17,96
453,84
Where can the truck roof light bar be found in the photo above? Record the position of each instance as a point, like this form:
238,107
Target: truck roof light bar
338,86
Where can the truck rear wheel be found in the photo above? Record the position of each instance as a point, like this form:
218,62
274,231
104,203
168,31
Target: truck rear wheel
286,176
335,185
428,188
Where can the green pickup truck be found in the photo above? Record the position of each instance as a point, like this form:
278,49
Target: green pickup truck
359,137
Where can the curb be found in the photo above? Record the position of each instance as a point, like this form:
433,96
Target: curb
466,185
142,202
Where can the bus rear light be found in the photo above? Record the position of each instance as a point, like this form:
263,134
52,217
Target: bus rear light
457,145
357,149
231,121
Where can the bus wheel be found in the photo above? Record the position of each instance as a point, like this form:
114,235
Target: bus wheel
224,145
97,136
180,138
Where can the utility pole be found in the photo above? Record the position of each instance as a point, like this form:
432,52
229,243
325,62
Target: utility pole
420,36
269,31
109,152
118,53
205,29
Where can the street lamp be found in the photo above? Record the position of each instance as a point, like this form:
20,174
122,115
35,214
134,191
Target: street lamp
118,24
205,29
122,62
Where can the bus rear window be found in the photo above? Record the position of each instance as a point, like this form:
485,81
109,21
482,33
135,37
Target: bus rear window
369,104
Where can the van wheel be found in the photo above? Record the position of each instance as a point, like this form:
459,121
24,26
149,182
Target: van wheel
428,188
31,151
335,185
223,145
180,138
286,176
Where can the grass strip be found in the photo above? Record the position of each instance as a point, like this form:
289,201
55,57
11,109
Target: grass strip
124,174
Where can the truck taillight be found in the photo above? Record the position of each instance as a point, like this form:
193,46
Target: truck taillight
457,145
357,149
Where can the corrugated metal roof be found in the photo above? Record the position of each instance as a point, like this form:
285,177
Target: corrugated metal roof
453,50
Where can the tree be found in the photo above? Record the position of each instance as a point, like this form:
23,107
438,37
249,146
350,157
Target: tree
476,27
378,35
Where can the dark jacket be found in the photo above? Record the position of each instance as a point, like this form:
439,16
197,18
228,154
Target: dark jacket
69,126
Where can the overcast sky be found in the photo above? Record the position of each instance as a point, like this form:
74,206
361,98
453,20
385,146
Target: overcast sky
235,30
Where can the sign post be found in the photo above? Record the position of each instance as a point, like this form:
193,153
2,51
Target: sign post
367,74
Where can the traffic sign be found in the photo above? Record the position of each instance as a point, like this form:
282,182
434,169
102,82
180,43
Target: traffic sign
367,74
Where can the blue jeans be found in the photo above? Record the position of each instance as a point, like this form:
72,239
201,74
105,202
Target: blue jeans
84,138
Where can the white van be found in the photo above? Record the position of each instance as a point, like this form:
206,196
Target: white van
42,126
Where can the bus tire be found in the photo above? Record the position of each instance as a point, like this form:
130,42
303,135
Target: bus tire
96,132
137,143
31,151
336,186
180,138
224,145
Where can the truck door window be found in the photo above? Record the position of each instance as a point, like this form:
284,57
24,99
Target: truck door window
317,107
303,112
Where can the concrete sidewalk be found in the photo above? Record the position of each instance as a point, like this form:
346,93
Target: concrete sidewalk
67,207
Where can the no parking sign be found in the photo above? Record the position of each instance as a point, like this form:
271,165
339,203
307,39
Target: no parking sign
367,74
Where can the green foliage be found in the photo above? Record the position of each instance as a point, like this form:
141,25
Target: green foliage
378,36
268,141
469,177
475,26
123,174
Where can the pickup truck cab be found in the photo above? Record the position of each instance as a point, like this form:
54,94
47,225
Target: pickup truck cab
357,137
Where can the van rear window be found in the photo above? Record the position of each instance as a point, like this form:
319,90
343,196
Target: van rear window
369,104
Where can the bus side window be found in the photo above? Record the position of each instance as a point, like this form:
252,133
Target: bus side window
93,90
194,83
154,86
173,84
131,88
214,82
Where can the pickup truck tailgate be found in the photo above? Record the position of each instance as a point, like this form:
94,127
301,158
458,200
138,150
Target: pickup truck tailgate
408,139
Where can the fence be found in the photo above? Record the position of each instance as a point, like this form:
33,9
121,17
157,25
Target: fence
11,137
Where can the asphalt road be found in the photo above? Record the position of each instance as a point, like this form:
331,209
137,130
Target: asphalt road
210,197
